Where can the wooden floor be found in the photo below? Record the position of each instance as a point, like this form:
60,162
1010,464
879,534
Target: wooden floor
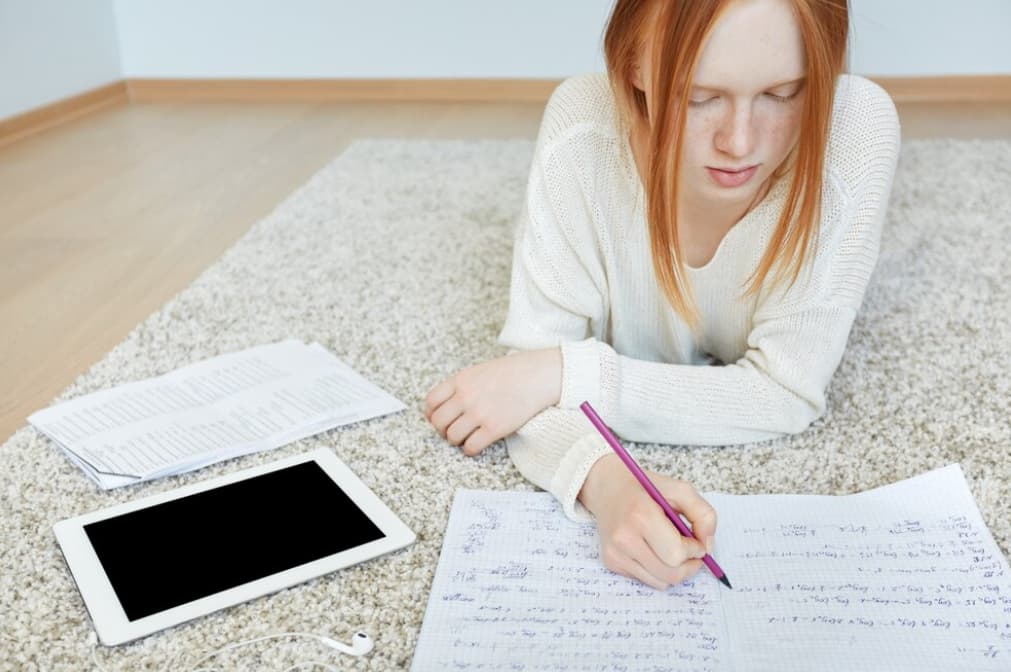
106,218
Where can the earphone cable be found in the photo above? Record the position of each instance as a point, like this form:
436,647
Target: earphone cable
93,640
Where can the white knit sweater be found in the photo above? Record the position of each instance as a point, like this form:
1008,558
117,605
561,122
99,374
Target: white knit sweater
583,280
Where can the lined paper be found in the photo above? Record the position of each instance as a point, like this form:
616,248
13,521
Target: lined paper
904,577
519,586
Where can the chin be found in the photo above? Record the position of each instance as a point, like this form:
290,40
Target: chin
741,194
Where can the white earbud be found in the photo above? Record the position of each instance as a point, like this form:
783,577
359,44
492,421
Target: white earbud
361,644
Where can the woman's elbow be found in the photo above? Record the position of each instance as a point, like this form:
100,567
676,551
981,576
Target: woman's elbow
800,413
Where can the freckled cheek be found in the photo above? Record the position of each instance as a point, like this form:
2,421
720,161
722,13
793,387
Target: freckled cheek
700,138
779,133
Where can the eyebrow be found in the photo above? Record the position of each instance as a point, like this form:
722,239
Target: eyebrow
798,80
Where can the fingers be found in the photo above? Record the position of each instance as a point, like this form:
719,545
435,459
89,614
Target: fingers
631,552
492,396
688,570
634,569
618,560
669,548
686,499
478,441
445,415
639,541
438,395
462,427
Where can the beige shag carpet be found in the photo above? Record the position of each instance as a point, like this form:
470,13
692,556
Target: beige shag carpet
396,257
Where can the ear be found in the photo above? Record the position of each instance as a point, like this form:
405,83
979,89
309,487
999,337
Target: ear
637,77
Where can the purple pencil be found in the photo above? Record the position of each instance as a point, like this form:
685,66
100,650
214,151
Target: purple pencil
640,476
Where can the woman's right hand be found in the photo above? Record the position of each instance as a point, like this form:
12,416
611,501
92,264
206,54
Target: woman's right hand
636,538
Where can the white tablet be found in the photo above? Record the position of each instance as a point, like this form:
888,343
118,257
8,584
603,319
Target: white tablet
156,562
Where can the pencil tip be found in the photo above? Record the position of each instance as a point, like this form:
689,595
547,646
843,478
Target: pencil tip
726,582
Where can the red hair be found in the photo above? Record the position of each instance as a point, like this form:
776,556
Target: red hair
681,28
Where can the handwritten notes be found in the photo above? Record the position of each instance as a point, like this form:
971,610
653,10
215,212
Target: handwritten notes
520,587
902,577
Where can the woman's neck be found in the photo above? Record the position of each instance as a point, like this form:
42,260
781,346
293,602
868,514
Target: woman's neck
699,211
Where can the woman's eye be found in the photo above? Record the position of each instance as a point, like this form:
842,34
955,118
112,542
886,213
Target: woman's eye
783,99
703,101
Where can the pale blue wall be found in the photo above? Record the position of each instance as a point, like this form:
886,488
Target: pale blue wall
52,49
492,38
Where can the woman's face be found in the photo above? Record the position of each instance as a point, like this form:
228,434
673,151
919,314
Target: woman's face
744,116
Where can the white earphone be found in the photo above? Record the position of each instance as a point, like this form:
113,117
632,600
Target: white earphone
361,644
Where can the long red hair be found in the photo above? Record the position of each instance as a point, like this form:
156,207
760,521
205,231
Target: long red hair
681,28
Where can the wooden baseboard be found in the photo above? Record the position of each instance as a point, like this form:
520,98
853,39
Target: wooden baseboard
948,89
375,90
956,88
945,89
60,112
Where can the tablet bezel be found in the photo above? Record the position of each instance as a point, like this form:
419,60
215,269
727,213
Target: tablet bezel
109,618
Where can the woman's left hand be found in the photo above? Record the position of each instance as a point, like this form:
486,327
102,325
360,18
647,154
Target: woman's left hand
484,403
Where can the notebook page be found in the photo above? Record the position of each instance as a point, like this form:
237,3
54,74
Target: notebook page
904,577
521,587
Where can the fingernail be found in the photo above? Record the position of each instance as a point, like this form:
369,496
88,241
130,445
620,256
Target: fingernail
709,544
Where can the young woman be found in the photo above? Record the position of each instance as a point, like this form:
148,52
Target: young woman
700,227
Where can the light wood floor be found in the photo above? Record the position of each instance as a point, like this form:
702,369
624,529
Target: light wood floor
106,218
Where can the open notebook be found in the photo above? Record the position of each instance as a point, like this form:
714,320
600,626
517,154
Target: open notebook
904,577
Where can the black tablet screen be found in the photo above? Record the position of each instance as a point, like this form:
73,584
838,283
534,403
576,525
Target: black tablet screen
179,551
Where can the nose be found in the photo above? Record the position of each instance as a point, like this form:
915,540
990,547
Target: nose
735,135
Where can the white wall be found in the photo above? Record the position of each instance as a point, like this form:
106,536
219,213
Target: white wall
930,37
53,49
361,38
495,38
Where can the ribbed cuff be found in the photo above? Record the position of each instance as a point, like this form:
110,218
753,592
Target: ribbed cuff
580,373
572,471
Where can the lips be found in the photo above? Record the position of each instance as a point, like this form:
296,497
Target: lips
730,177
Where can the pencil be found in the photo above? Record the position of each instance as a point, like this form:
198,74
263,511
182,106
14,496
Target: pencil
640,476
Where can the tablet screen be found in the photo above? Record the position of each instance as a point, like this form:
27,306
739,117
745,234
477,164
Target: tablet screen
182,550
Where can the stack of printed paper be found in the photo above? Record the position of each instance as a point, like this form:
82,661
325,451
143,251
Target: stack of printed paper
220,408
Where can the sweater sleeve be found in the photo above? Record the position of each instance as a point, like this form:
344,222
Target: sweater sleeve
558,295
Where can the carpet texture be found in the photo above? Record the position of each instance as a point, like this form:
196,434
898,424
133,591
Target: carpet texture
396,257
